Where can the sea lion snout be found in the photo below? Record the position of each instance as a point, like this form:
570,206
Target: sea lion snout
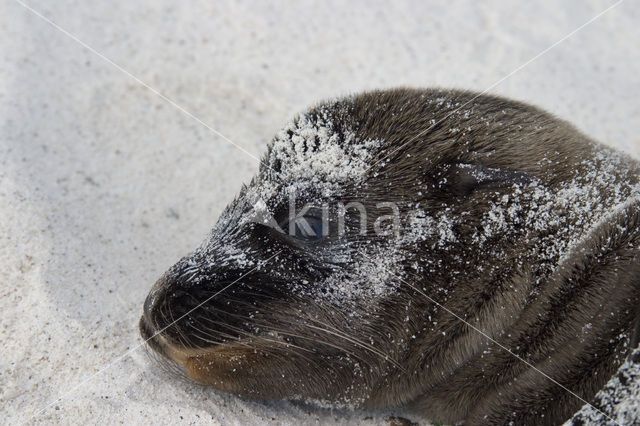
168,305
200,303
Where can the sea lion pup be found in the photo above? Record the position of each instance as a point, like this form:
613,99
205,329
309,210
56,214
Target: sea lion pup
463,256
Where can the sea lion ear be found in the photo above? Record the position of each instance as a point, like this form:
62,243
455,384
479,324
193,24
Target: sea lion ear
464,178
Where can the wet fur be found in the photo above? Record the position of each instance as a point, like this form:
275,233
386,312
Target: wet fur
404,350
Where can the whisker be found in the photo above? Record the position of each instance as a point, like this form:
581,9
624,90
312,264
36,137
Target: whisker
263,338
288,333
356,342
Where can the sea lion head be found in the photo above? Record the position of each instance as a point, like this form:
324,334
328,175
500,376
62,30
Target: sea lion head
327,277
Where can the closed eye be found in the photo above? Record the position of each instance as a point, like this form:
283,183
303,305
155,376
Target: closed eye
306,228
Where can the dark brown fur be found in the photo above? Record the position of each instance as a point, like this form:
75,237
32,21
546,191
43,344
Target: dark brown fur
570,314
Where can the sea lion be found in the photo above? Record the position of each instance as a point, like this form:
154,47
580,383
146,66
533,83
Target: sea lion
466,257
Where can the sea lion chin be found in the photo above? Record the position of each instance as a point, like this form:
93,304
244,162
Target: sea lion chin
463,256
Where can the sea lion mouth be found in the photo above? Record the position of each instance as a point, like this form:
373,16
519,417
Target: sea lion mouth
212,366
199,364
232,367
158,343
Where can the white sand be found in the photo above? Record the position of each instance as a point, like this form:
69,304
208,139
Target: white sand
103,184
